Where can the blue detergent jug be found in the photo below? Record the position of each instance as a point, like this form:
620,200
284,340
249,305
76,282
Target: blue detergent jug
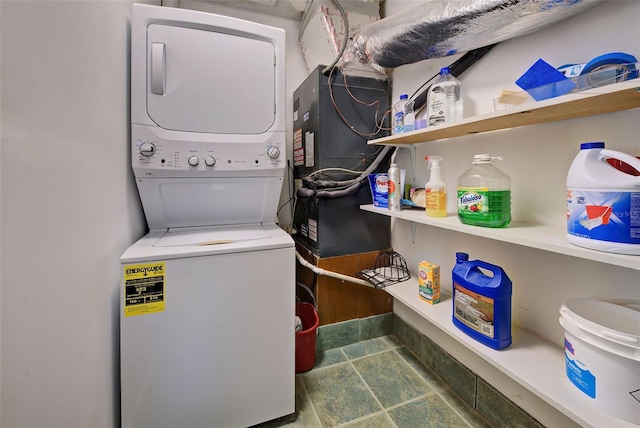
481,302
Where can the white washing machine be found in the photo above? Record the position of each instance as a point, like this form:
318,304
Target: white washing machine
208,295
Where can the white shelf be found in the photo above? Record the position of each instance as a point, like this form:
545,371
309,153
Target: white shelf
606,99
542,237
533,362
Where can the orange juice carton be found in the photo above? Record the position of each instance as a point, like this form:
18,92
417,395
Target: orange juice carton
429,282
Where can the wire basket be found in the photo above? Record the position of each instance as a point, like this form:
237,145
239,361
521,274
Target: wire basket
389,268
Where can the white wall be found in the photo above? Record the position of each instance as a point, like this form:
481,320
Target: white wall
69,209
536,157
69,204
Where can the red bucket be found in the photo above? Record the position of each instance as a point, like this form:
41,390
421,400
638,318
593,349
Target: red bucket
306,339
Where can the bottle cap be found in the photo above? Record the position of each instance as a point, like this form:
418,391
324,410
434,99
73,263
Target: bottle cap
485,158
592,145
462,257
445,70
404,96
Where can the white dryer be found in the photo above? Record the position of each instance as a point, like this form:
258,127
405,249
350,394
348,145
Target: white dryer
208,295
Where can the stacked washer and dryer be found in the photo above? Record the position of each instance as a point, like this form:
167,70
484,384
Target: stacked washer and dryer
208,295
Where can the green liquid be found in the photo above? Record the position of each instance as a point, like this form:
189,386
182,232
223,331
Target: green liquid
494,211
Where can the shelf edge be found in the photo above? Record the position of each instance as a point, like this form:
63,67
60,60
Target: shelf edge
505,235
591,102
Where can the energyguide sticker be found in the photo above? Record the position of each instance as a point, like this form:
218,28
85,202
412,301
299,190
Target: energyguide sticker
143,289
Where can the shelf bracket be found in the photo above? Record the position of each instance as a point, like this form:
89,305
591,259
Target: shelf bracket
414,227
412,152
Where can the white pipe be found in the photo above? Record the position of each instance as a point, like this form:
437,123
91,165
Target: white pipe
337,275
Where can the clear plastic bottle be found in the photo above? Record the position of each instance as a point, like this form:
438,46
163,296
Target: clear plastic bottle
484,194
444,99
399,109
409,117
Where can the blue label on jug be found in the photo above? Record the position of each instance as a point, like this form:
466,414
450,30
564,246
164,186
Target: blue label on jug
604,216
582,378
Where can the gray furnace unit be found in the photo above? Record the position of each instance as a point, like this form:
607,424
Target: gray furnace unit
333,121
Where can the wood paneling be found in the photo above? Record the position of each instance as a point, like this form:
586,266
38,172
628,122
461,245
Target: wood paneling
341,300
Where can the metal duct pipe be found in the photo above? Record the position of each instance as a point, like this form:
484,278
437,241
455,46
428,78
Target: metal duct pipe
440,28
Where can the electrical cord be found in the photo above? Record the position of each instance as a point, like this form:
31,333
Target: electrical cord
343,14
341,188
324,170
291,189
377,127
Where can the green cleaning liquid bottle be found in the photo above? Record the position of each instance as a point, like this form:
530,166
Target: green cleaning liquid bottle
484,194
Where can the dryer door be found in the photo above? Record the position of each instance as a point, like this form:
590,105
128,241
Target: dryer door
206,81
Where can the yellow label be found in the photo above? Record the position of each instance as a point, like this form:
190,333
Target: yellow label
143,289
429,282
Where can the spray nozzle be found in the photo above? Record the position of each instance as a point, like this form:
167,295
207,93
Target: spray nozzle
434,161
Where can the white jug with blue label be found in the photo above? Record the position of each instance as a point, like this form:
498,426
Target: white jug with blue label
603,202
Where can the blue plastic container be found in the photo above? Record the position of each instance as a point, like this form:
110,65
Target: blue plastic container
482,302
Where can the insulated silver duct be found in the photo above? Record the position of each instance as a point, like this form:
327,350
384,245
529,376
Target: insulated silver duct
440,28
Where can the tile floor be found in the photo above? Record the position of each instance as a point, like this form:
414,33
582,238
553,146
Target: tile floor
375,383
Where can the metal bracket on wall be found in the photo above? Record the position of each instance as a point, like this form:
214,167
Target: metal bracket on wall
414,227
412,151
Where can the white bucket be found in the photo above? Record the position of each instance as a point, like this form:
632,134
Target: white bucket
602,353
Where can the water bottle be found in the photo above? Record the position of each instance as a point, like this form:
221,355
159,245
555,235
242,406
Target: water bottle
399,111
444,99
603,201
484,194
409,117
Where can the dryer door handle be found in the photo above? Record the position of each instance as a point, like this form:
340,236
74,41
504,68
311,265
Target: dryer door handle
157,68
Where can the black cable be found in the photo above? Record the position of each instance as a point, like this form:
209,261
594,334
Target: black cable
458,67
291,190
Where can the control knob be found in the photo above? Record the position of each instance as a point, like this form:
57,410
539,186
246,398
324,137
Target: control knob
273,152
210,161
147,149
193,160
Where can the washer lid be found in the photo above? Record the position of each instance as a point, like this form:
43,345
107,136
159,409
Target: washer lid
212,235
163,245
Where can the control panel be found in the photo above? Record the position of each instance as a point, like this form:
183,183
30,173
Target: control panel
154,156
